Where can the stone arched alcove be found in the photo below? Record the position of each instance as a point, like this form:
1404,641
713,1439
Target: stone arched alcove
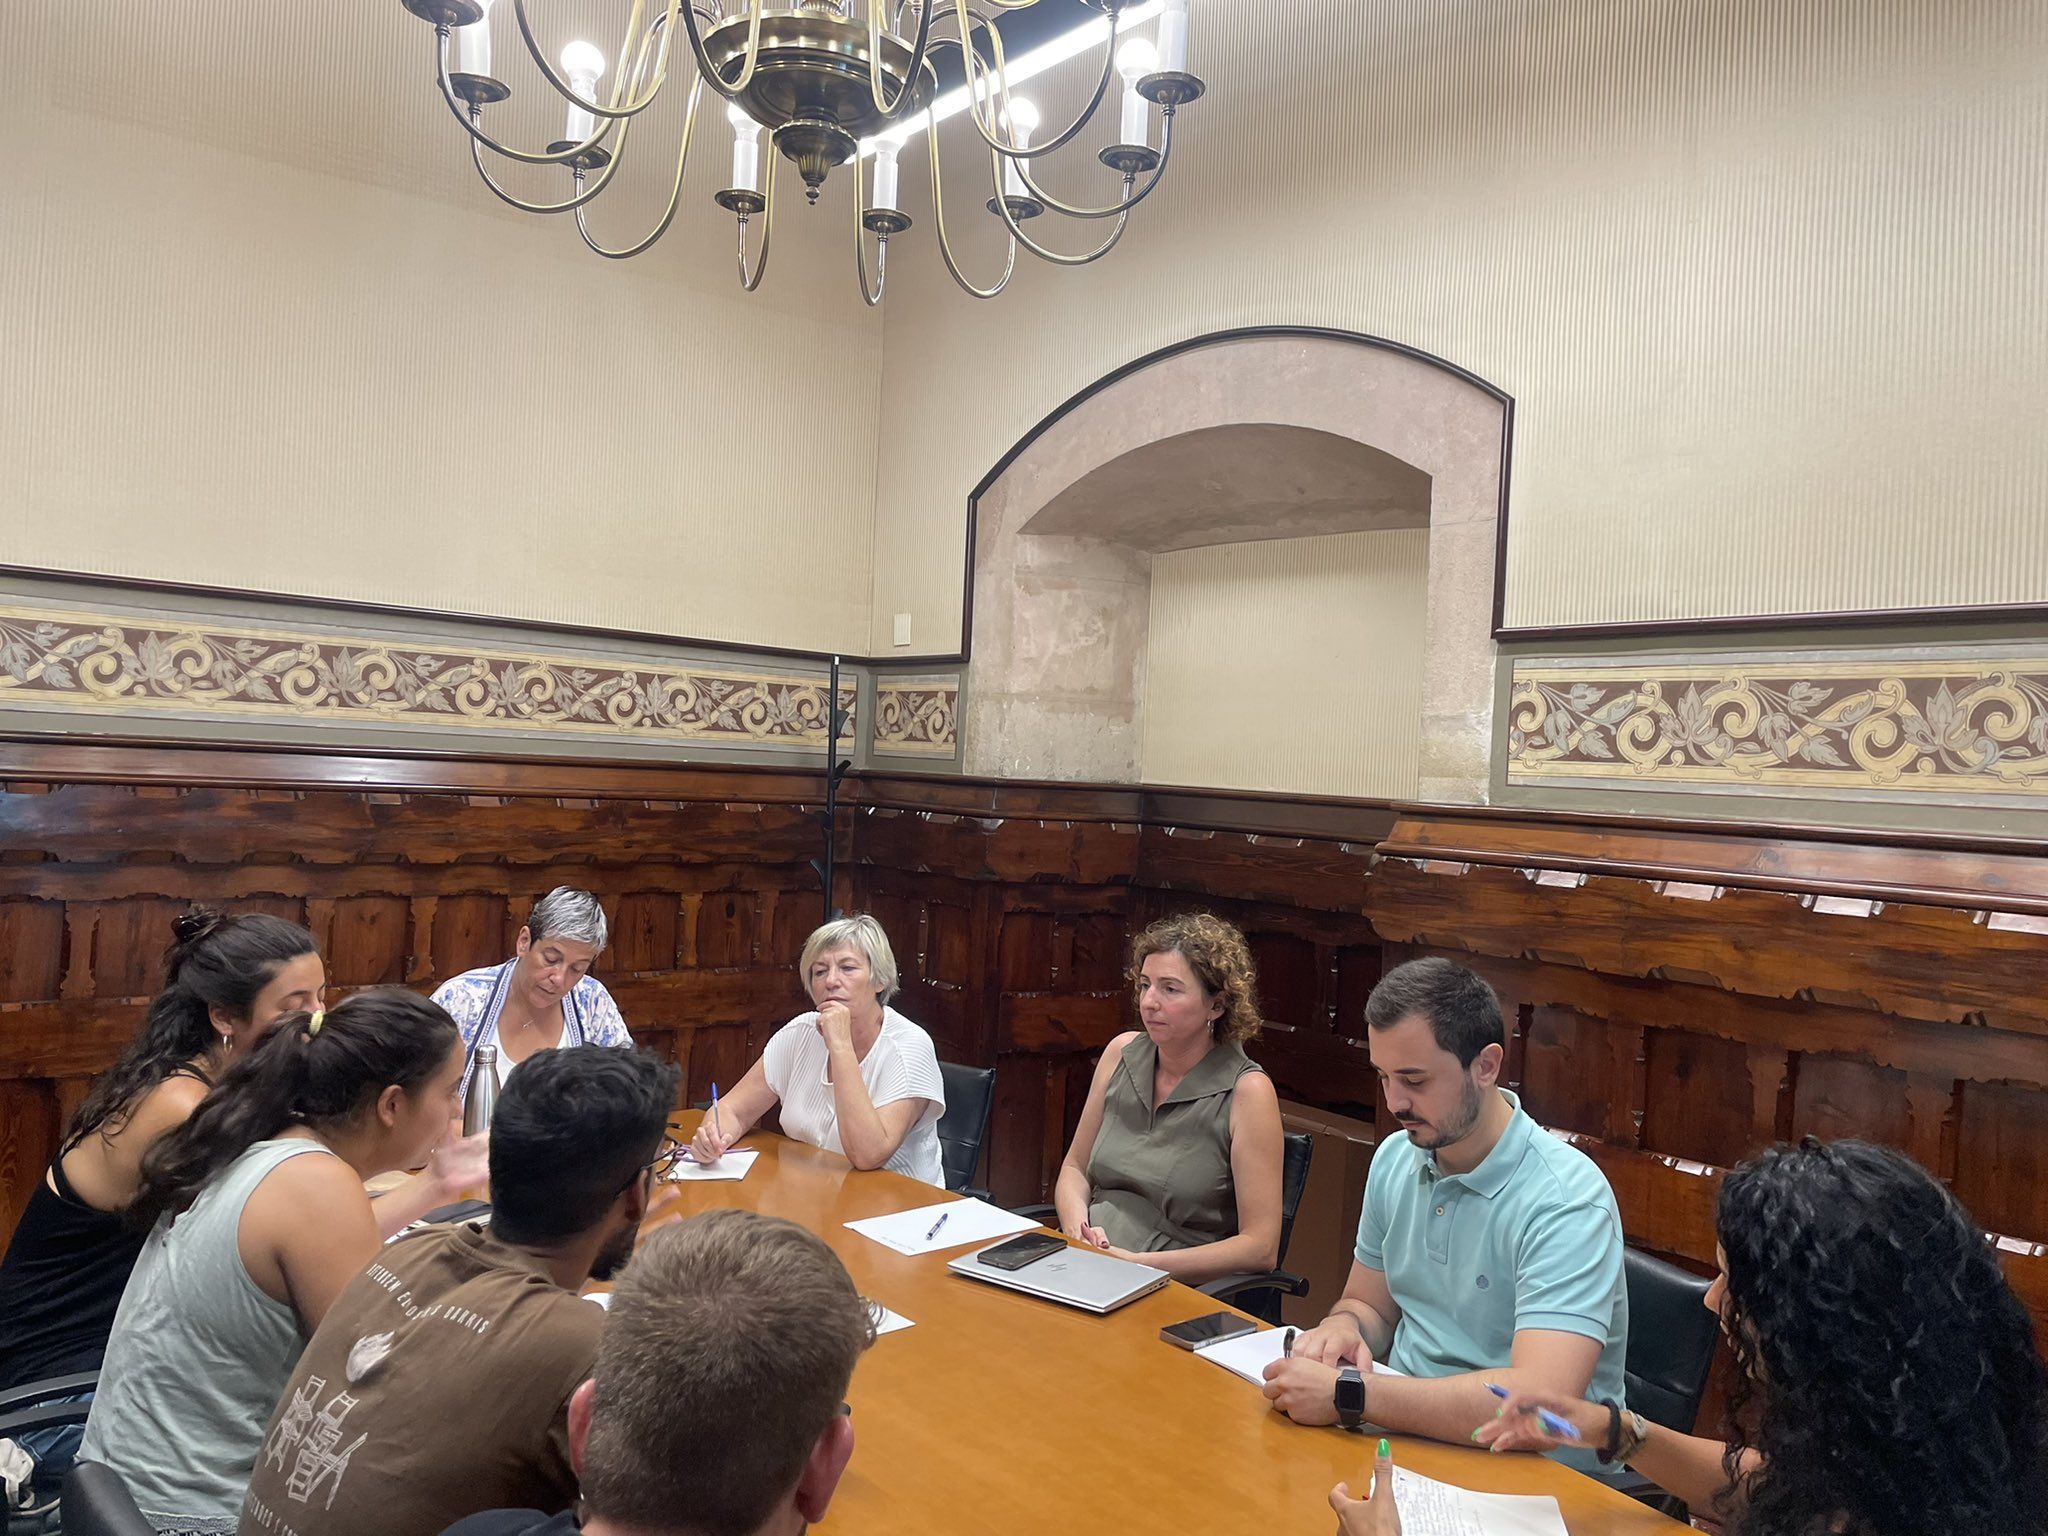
1248,435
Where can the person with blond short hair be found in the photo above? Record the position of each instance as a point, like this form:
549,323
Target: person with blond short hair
718,1404
852,1076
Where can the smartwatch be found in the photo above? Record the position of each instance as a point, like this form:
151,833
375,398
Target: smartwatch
1350,1397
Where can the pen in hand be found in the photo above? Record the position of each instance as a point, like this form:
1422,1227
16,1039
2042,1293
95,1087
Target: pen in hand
716,1124
936,1225
1562,1428
1287,1345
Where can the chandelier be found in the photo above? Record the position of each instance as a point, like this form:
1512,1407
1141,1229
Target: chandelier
831,83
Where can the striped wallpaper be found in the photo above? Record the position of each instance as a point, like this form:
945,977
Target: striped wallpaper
261,327
1764,277
1291,664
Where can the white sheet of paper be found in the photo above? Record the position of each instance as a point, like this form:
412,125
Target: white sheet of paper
602,1298
887,1321
967,1222
1249,1354
733,1165
1431,1508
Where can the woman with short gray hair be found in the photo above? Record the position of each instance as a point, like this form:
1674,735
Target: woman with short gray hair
544,996
853,1075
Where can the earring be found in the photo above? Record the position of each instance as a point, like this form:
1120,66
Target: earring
227,1045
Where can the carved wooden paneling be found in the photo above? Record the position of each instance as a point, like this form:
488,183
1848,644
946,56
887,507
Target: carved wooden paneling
401,878
1679,994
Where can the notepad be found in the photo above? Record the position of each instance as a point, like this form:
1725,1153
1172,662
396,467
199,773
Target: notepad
1249,1354
967,1221
1431,1508
887,1321
733,1165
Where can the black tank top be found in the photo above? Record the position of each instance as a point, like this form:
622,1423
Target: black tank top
61,1283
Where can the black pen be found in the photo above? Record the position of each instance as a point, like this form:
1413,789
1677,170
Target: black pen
1287,1345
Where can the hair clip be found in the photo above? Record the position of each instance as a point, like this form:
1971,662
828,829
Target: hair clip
313,1024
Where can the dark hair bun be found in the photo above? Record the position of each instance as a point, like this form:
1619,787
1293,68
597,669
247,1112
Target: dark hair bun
192,926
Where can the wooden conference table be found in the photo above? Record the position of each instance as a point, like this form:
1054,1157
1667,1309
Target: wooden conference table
1001,1415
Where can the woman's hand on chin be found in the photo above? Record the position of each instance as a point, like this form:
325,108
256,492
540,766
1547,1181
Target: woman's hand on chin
835,1024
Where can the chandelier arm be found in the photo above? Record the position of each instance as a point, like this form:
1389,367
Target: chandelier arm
946,245
567,93
675,194
1130,200
767,235
972,61
569,205
472,122
729,89
924,32
860,243
1018,237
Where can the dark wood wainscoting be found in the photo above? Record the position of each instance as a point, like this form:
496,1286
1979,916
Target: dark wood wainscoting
1679,994
1014,907
406,871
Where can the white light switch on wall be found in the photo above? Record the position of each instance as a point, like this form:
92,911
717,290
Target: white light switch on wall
903,629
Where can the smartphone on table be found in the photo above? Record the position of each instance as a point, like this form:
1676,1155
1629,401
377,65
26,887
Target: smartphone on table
1212,1329
1019,1251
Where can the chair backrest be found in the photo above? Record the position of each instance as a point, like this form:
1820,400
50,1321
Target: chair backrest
95,1502
1671,1340
970,1094
1296,1148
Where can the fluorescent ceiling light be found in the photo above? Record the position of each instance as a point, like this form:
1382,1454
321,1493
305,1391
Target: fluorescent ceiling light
1086,38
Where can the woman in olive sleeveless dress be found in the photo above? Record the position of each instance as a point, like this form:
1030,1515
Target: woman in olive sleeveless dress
1176,1159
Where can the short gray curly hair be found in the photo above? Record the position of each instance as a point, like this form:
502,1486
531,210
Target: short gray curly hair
864,936
567,913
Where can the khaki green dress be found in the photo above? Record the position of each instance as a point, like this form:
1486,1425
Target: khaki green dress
1162,1179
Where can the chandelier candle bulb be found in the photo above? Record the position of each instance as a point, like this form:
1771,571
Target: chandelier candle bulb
473,47
885,175
746,150
582,64
1136,59
1022,117
1173,38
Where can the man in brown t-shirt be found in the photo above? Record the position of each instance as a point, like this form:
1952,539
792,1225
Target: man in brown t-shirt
438,1383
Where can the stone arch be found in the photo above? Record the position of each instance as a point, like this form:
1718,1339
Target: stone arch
1063,528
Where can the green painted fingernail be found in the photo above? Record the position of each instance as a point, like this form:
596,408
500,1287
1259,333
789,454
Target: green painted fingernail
1385,1449
1475,1436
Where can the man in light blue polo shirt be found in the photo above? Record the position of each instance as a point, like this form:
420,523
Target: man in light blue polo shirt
1488,1250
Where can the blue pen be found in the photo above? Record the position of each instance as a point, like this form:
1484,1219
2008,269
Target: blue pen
1561,1428
715,1123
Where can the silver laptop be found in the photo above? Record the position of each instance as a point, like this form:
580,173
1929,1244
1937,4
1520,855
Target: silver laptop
1076,1277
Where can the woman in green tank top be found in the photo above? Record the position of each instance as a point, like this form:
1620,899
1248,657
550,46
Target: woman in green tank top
1176,1159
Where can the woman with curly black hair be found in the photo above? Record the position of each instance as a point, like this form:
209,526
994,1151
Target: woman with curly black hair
1889,1384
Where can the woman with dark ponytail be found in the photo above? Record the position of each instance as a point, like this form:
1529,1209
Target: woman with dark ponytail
260,1220
227,980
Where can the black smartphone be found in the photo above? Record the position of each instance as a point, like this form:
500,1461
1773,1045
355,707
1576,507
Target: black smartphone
1207,1330
1019,1251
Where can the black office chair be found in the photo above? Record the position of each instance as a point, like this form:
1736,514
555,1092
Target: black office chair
96,1503
1671,1342
970,1095
1265,1286
38,1405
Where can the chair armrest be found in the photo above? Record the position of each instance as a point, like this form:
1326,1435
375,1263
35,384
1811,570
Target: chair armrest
49,1387
1044,1215
51,1415
1227,1287
975,1192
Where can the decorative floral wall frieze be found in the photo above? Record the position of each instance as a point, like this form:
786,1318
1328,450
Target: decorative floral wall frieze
119,664
918,716
1978,727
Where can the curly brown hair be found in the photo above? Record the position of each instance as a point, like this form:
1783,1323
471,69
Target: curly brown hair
1221,960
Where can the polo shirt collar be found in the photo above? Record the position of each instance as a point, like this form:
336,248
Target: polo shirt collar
1499,1165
